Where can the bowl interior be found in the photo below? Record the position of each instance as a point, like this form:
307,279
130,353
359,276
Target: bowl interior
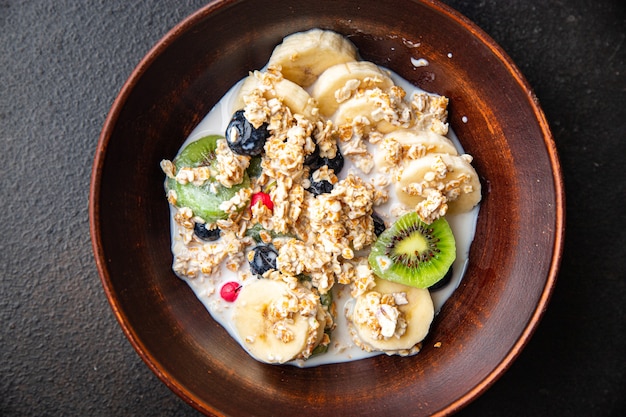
514,256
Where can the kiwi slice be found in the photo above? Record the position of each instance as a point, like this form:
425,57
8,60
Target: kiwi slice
204,200
255,169
414,253
198,153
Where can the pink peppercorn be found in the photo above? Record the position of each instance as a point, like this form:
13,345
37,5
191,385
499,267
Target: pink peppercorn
264,198
230,291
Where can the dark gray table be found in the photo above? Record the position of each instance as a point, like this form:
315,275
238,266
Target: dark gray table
63,62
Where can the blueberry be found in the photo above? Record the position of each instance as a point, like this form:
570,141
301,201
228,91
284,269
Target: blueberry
379,224
243,138
320,187
200,230
443,281
311,158
315,161
336,164
263,260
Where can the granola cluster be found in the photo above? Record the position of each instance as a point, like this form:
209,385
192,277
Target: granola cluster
318,235
321,237
380,314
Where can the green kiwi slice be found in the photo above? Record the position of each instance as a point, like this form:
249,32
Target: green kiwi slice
414,253
204,200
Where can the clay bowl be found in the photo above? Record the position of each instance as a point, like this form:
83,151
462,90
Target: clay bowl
514,257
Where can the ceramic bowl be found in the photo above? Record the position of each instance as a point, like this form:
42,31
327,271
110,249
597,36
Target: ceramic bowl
514,257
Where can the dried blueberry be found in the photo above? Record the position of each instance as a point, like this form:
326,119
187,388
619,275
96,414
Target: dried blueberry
204,233
320,187
336,164
263,260
315,161
379,224
312,158
243,138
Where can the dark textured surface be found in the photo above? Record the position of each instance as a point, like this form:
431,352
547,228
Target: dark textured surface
63,63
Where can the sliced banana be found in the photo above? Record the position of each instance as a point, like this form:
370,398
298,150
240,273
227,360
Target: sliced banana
303,56
362,110
392,318
290,93
430,141
404,145
276,323
337,83
449,178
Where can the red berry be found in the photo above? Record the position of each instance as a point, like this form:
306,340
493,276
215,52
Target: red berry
230,291
264,198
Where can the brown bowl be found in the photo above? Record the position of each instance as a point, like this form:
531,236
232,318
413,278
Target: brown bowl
513,260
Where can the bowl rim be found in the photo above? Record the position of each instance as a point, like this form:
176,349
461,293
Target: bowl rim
187,24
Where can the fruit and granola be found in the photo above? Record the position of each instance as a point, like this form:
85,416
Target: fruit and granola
313,219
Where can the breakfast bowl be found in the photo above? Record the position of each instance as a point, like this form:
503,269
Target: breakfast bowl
514,256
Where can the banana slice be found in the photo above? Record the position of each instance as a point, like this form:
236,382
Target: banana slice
401,146
338,82
364,111
431,141
290,93
392,318
277,324
303,56
450,179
